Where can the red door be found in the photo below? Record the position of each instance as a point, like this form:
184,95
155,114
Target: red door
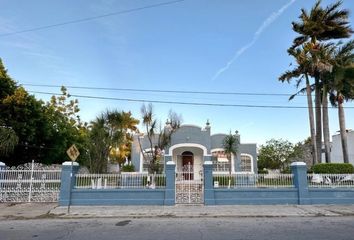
187,163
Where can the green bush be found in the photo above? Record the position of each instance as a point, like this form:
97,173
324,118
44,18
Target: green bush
335,168
128,168
160,181
286,170
262,171
224,180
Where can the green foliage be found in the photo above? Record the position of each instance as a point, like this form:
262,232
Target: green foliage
277,154
224,180
286,170
128,168
7,85
24,114
8,140
158,138
335,168
109,131
44,131
65,129
262,171
230,144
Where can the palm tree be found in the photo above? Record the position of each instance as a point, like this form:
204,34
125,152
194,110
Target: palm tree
321,24
324,53
158,138
303,70
342,87
230,146
106,132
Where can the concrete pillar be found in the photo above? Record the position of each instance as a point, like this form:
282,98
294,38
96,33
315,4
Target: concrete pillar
2,166
299,170
166,160
2,174
68,171
170,183
208,183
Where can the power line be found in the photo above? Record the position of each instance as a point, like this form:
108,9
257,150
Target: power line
161,91
90,18
179,102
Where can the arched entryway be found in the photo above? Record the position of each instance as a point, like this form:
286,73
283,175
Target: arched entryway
189,175
188,165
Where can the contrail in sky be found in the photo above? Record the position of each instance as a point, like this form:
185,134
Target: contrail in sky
256,35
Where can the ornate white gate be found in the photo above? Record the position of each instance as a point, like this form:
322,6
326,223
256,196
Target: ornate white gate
31,182
189,186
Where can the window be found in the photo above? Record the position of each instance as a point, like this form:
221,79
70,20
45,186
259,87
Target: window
246,163
220,161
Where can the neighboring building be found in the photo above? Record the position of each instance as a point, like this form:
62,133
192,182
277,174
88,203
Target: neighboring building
336,148
194,145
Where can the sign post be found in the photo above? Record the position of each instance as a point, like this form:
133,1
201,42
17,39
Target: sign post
73,153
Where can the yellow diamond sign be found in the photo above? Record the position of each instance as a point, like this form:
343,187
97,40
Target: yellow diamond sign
73,152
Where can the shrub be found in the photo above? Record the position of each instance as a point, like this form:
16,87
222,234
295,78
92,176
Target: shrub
263,171
335,168
128,168
224,180
286,170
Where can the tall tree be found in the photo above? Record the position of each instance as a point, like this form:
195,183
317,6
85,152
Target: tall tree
321,24
303,70
24,114
230,145
7,85
342,87
108,131
278,154
323,66
65,128
158,138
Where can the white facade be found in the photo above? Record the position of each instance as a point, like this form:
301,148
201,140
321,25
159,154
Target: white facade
336,150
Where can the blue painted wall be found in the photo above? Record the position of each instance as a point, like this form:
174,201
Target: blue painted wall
255,196
299,194
192,134
118,197
332,196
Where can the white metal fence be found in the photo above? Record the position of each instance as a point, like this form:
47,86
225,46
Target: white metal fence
31,182
123,180
248,180
189,186
330,180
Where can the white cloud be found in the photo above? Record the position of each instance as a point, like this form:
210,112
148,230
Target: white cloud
265,24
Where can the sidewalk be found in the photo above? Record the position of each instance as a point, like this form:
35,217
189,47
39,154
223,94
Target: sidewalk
51,210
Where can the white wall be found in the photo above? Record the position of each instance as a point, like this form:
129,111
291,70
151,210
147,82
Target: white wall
336,151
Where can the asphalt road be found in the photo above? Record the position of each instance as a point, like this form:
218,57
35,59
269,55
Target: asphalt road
180,228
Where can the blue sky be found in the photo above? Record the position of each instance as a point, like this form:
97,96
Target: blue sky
195,45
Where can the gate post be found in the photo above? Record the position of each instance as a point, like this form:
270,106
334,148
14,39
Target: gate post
68,171
2,166
170,183
300,182
209,198
2,174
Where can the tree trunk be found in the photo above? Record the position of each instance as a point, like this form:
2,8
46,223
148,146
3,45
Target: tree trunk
343,131
318,119
326,124
311,120
230,159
